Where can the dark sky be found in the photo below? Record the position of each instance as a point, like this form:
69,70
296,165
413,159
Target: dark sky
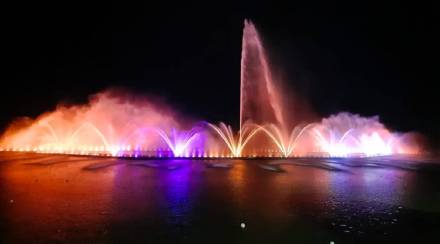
372,59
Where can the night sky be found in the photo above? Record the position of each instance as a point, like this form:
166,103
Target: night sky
371,59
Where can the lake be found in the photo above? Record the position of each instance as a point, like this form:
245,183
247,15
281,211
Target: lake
57,198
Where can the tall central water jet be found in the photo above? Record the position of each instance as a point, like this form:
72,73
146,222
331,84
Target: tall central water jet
260,100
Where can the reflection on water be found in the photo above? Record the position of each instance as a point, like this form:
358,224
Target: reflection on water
75,199
178,200
55,202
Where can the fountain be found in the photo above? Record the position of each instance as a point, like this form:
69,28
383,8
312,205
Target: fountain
235,145
260,101
116,124
178,142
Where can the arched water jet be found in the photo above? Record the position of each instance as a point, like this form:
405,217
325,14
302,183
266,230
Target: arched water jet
178,142
95,129
235,144
284,144
303,130
51,130
277,137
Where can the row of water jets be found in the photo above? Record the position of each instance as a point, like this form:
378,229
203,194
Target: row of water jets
183,143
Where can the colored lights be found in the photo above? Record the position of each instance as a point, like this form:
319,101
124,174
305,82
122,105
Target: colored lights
120,125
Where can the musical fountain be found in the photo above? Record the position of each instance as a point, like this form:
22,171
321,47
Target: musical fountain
116,125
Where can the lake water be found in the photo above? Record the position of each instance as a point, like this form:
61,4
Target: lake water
49,198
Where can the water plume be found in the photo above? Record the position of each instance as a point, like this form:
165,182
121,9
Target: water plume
346,134
260,99
100,125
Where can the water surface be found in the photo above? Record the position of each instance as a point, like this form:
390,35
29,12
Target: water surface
49,198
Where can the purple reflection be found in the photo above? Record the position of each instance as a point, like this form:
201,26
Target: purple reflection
179,193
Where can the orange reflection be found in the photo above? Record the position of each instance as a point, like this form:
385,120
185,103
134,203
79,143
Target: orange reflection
46,193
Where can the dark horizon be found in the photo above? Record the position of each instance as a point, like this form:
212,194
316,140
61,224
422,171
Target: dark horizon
365,59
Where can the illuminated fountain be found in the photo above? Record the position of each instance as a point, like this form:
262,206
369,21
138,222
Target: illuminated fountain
286,143
123,125
260,102
347,134
263,109
178,142
235,143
